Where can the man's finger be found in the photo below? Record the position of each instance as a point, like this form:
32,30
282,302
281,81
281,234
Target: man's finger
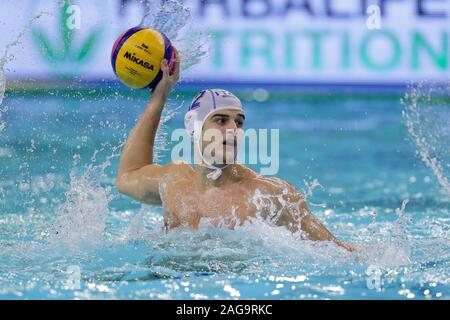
174,64
176,67
164,68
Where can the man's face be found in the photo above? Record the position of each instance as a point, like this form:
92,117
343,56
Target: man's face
221,136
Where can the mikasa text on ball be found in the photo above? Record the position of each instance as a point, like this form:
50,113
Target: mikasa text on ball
137,54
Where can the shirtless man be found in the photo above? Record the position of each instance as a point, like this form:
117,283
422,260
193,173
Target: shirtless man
222,191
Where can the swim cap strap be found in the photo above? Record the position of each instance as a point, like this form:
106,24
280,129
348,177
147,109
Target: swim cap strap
214,175
217,172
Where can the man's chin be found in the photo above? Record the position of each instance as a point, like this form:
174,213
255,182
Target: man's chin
225,162
230,158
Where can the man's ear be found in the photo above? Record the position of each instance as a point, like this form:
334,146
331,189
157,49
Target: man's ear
197,135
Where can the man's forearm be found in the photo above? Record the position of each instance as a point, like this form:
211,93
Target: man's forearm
138,150
315,229
318,232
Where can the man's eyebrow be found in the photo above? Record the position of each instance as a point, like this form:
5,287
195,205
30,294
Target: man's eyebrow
227,116
220,115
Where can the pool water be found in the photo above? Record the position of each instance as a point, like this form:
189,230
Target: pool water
66,233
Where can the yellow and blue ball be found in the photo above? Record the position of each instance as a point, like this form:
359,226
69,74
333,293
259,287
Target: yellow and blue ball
137,54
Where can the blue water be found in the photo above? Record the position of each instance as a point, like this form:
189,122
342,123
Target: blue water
60,211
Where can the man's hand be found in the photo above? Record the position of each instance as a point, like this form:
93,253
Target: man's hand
169,78
344,245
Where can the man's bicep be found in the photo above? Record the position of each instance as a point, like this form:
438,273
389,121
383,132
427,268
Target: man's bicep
293,205
298,204
309,223
142,184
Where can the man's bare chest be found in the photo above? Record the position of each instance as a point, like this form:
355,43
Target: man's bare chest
185,204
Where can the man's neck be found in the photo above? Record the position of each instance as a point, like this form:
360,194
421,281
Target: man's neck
230,173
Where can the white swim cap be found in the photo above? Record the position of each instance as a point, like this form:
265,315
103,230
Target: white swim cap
202,106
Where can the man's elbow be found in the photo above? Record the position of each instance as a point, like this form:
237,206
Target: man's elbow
123,186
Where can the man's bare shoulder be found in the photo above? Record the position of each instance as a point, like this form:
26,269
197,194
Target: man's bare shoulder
272,185
180,169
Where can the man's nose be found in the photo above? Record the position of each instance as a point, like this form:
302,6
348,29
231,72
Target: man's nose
230,130
231,125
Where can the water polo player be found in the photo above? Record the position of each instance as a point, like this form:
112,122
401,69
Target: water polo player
215,187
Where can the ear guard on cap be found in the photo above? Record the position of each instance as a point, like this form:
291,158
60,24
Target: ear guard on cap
189,119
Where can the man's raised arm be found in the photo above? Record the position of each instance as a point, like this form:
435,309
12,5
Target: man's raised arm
137,176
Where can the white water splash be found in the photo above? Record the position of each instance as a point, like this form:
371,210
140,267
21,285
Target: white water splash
176,22
308,192
142,225
254,247
161,138
393,247
82,217
427,120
